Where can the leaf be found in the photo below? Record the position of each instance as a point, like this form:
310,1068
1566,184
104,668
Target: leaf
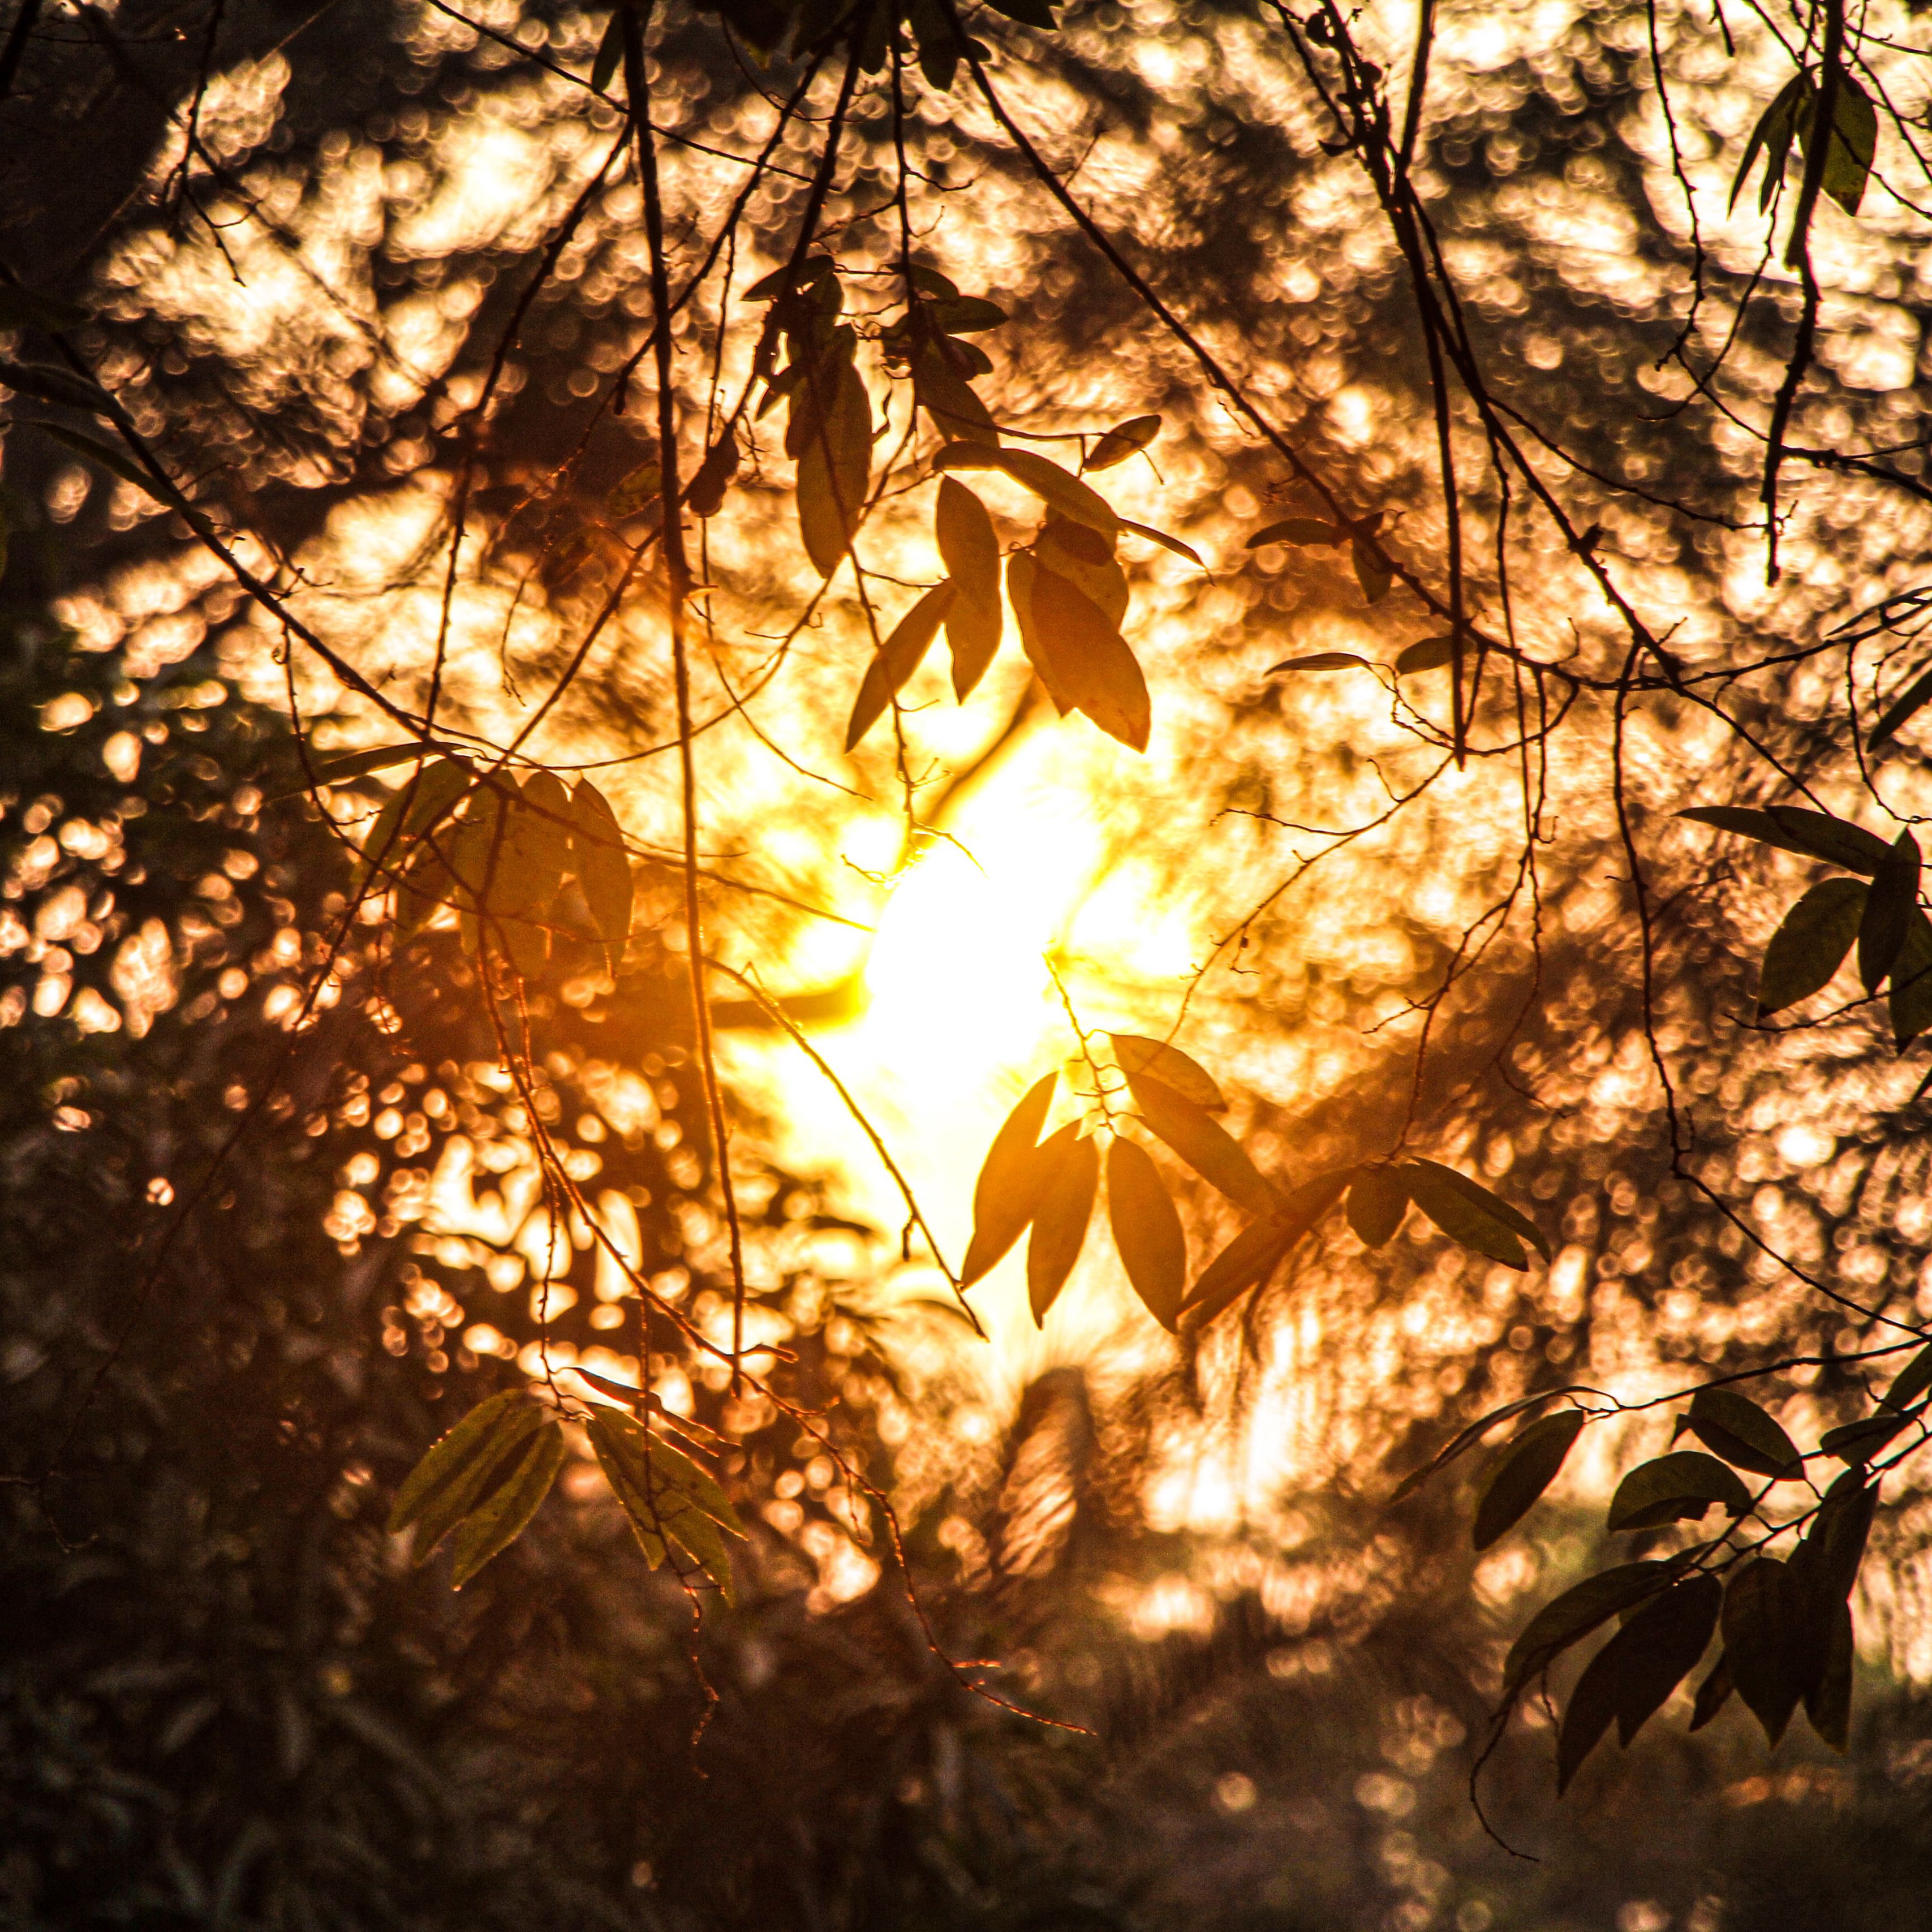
603,867
1028,13
1006,1193
1714,1693
1860,1442
1022,572
415,806
946,395
1461,1219
1146,1230
965,315
1733,1426
1810,834
1322,660
123,466
1854,142
1372,571
1775,127
1254,1254
971,550
339,767
26,308
1911,1382
1570,1618
1633,1674
1059,1224
1378,1204
1907,705
1678,1487
1889,904
1202,1142
1520,1470
1426,654
1085,559
1807,950
442,1488
1910,1000
897,658
1299,530
48,382
706,491
503,1515
665,1495
530,864
1834,1545
610,50
835,472
1186,551
1096,669
1480,1198
1466,1438
1122,441
638,491
1136,1053
1764,1638
1048,480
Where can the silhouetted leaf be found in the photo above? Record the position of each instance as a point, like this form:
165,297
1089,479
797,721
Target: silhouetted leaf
122,466
602,867
1254,1254
1006,1193
1912,1381
1848,154
1378,1204
1714,1693
706,493
638,490
897,658
1480,1198
1090,659
530,864
335,768
610,50
835,470
1046,480
1678,1487
1059,1224
948,397
1775,127
1202,1142
1810,946
1305,530
1764,1639
1907,705
1571,1617
1466,1438
1122,441
1828,1697
1733,1426
970,551
665,1495
1086,559
442,1488
1889,905
1859,1441
416,806
1186,552
965,315
1791,829
1323,661
502,1516
48,382
1633,1674
1372,571
1520,1470
1146,1230
1022,573
1136,1053
1461,1219
1910,1001
1425,654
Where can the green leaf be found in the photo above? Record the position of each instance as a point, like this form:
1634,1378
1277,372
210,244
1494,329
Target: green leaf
665,1495
1854,142
1091,660
897,658
442,1488
1680,1487
1425,654
835,471
603,867
1306,530
1048,480
1889,904
504,1514
1254,1254
1807,950
1060,1223
1202,1142
1372,571
1810,834
1322,660
1733,1426
1633,1674
1827,1698
1907,705
1570,1618
971,550
1378,1204
1136,1053
1007,1193
1146,1230
1460,1218
1910,1000
1122,441
1775,128
1480,1198
1714,1693
1911,1382
1765,1640
25,308
1520,1470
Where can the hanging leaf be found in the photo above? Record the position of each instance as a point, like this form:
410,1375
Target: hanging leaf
1911,1382
1304,530
1733,1426
1186,552
897,658
1480,1198
1060,1225
1773,134
1146,1230
1007,1193
834,470
1910,1000
1372,570
1085,559
1860,1442
1678,1487
1834,1545
1764,1639
971,550
1202,1142
1854,142
1091,659
1022,572
1466,1438
665,1495
443,1488
1426,654
965,315
1520,1470
1322,660
1136,1053
472,855
1048,480
1714,1693
1807,950
1629,1678
415,807
1827,1698
947,398
1810,834
603,867
610,50
504,1514
1569,1619
1122,441
1378,1204
1254,1254
1471,1222
123,466
338,768
47,382
1903,708
530,863
1889,904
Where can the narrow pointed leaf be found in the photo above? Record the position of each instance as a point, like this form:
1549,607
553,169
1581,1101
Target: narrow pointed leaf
1378,1204
1060,1225
1122,441
1714,1693
1022,572
1854,142
1185,551
603,867
1007,1193
333,768
1906,706
1371,572
442,1488
897,658
835,471
1733,1426
1889,906
1322,660
1570,1618
1912,1381
1480,1198
1203,1143
1136,1053
1807,950
1775,127
1520,1470
1425,654
1679,1487
1764,1638
1461,1219
1858,1442
1091,660
1910,1001
1147,1231
1046,480
970,549
1465,1439
1298,530
1254,1254
504,1514
1791,829
610,50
